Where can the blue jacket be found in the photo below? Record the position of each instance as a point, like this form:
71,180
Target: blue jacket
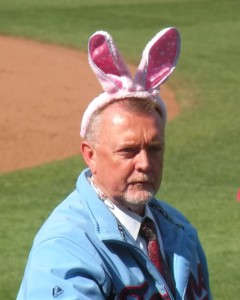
83,252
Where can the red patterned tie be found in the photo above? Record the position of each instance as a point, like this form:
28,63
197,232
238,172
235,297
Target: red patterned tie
149,233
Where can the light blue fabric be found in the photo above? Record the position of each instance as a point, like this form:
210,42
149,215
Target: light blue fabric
82,252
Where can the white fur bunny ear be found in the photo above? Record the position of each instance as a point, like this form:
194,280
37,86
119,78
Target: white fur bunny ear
159,59
158,62
107,63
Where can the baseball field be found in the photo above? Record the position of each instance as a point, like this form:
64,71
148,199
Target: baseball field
46,83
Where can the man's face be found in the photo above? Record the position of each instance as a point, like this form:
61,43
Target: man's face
128,158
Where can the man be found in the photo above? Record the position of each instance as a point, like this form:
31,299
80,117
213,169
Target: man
111,239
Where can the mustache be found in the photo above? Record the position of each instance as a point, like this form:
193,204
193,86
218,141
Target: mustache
143,178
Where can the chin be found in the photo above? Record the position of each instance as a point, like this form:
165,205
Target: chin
139,198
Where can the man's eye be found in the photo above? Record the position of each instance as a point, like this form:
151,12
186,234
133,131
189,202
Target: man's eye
156,149
128,150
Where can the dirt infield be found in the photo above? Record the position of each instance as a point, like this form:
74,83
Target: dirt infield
44,90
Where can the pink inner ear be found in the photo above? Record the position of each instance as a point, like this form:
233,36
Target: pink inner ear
161,58
102,56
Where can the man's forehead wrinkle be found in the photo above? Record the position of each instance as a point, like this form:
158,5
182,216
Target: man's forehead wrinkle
142,140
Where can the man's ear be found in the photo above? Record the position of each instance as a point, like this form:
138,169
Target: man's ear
88,153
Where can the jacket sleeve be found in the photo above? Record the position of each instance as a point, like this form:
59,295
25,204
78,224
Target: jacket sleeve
59,268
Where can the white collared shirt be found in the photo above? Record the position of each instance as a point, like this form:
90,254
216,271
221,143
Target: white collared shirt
132,223
130,220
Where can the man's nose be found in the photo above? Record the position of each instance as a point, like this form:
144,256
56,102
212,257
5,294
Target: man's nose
142,161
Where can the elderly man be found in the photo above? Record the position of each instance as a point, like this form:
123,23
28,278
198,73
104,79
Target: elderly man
111,239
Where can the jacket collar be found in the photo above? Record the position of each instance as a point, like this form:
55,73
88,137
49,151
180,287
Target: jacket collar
175,229
179,237
105,223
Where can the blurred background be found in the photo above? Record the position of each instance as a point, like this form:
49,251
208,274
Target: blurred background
201,174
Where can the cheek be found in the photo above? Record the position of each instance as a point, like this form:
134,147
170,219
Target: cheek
114,170
122,172
157,167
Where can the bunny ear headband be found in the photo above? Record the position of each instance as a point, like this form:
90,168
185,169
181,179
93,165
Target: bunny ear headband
158,62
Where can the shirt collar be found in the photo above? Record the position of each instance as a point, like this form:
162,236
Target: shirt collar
129,219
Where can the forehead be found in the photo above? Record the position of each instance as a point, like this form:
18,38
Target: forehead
117,121
132,107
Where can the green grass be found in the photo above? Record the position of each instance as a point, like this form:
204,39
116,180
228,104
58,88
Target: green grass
201,174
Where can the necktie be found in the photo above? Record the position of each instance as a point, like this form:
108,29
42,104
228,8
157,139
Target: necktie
149,233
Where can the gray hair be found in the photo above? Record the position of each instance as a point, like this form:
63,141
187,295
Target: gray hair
136,105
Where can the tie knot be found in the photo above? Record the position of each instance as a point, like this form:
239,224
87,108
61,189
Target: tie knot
148,230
